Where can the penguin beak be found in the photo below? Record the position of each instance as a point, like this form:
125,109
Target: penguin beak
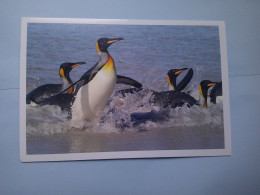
114,40
211,84
77,64
180,71
201,92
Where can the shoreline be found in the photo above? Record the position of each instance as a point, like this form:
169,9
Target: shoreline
174,138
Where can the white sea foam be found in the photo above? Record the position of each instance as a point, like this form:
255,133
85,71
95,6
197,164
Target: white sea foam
129,113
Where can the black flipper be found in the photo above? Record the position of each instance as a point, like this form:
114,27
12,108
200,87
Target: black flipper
128,81
185,81
84,79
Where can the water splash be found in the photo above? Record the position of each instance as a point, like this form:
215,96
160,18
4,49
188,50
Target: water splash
130,113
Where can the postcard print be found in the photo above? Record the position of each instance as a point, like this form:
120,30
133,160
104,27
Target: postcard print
107,89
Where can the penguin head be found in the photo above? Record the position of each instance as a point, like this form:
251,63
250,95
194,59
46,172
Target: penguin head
203,88
172,76
103,43
65,69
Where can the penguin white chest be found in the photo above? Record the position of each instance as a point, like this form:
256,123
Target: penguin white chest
95,95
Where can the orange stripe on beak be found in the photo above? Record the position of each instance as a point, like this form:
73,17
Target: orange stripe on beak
109,42
211,84
178,72
74,65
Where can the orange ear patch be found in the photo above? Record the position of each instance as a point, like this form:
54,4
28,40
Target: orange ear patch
62,72
168,79
97,47
201,91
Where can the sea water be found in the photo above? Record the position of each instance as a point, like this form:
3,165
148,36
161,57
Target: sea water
146,54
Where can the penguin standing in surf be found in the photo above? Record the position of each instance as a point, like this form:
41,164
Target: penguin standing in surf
43,92
95,87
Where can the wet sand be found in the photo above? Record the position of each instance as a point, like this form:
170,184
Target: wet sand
175,138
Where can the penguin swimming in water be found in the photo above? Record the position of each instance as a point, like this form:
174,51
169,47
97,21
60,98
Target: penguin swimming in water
173,97
166,99
172,79
39,94
214,94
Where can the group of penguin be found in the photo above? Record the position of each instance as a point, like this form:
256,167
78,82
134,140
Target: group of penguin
91,92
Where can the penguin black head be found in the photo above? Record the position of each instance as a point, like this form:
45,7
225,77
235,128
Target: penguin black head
103,43
172,76
203,87
64,71
66,67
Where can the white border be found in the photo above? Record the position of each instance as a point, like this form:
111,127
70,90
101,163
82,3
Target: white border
126,154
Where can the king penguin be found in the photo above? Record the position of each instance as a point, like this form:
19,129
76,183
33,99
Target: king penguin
215,94
172,79
174,97
45,91
95,87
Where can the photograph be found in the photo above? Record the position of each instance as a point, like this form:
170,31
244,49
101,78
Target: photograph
115,89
